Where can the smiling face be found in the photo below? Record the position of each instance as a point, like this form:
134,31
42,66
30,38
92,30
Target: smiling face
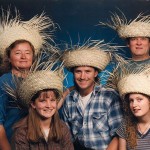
85,78
139,105
21,56
140,48
45,104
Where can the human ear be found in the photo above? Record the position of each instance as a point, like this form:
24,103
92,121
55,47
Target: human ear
32,105
96,73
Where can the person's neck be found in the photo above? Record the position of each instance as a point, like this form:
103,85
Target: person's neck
45,124
140,58
20,72
144,120
85,92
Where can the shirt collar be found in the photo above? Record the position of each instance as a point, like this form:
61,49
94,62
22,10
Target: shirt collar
75,94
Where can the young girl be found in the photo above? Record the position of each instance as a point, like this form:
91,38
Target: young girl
41,129
134,132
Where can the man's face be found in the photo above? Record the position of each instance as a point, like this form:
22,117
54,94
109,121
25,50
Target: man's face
85,78
140,47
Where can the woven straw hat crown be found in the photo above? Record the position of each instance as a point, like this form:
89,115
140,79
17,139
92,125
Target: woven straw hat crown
87,55
37,81
133,81
12,29
139,27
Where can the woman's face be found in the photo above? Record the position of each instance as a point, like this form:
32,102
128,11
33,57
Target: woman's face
139,105
45,104
21,57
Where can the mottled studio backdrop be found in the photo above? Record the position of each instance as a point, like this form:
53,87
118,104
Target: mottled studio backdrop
80,18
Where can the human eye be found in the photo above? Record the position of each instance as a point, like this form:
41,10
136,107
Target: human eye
28,52
130,100
139,99
133,39
77,71
53,99
17,52
144,38
88,71
42,100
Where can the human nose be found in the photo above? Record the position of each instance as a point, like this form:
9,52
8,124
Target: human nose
139,42
134,104
23,55
83,75
48,103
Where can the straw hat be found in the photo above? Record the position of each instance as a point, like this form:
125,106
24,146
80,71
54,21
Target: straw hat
37,81
42,75
140,26
128,80
12,29
93,54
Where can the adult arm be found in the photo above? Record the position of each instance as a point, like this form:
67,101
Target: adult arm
66,92
122,144
4,144
19,140
114,144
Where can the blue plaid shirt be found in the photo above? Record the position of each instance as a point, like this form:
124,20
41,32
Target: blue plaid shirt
103,114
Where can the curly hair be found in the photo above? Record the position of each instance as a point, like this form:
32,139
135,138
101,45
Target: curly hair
131,122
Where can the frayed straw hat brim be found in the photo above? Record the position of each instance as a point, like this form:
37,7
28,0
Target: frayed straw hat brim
136,29
134,84
37,81
94,58
34,31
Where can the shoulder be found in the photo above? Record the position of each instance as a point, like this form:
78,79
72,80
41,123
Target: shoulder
109,96
121,131
19,137
71,96
21,125
107,92
6,78
63,125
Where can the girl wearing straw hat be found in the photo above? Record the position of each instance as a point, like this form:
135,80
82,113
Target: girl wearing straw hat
20,41
134,132
42,129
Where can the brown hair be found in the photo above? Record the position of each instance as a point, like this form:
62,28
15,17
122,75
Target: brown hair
6,65
34,123
130,122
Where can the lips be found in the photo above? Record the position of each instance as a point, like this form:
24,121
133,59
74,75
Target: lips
136,110
23,61
139,48
48,110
